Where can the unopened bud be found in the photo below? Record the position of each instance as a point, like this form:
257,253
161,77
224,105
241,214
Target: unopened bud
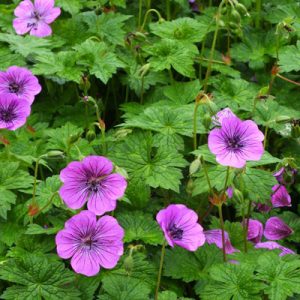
90,135
195,166
33,209
190,186
128,264
54,153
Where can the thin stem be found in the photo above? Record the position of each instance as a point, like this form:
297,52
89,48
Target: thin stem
162,255
247,226
47,204
195,125
35,180
226,180
142,90
288,80
168,10
140,12
223,231
212,60
207,212
258,13
266,135
212,50
146,16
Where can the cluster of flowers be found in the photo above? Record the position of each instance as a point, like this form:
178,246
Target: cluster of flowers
18,88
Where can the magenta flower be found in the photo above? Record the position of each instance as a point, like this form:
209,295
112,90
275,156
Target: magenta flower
91,244
280,196
214,236
180,227
19,82
13,112
217,119
263,207
91,181
286,175
255,231
273,245
34,18
236,142
276,229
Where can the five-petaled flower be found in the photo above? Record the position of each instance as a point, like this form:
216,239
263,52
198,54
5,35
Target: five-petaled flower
180,227
91,181
13,112
35,17
19,82
236,142
91,244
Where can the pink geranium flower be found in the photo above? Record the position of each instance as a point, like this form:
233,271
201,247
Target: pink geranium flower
90,243
13,112
180,227
35,17
280,196
255,231
221,115
236,142
214,236
19,82
91,180
276,229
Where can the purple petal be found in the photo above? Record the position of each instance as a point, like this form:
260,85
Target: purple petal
263,207
42,29
65,243
230,192
43,6
255,231
82,222
85,262
99,165
273,245
20,26
221,115
99,204
280,196
276,229
73,195
51,15
24,9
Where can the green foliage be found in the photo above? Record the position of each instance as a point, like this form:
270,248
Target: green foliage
140,227
158,166
289,58
37,277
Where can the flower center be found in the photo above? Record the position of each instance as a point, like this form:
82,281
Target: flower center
14,88
36,17
87,242
234,143
7,114
175,232
94,183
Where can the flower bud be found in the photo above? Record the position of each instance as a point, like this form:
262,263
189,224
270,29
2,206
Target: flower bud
90,135
128,264
235,16
74,138
33,209
206,121
195,166
54,153
242,9
190,186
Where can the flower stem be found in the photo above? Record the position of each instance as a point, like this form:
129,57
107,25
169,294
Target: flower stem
140,13
266,135
226,180
206,175
35,180
246,226
195,125
147,14
258,13
162,255
168,10
223,231
288,80
213,46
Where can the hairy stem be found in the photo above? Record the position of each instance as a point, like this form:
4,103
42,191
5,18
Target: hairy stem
223,231
162,255
288,80
195,125
147,14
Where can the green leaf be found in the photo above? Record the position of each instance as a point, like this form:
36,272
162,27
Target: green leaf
282,275
27,45
7,198
168,53
124,288
99,59
232,282
183,92
170,295
158,166
108,26
71,6
38,277
61,64
182,29
139,226
8,59
60,138
289,58
37,229
190,266
258,184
